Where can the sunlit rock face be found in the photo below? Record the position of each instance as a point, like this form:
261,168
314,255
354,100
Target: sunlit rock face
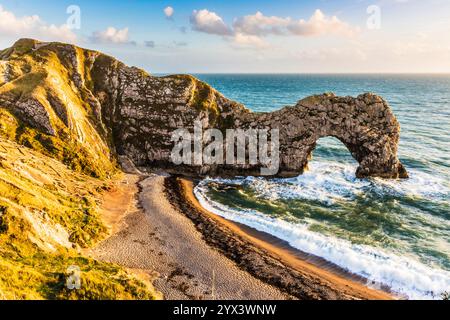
106,109
365,125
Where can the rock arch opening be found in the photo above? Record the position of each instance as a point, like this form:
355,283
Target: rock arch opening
331,149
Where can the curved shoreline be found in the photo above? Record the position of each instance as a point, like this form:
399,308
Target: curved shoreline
266,257
149,236
158,228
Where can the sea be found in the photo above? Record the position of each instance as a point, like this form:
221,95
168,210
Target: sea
393,233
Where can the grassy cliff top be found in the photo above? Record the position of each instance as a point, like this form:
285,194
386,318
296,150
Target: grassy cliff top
48,212
44,93
56,160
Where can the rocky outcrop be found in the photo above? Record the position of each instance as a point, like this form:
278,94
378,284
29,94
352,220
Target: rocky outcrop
365,125
134,113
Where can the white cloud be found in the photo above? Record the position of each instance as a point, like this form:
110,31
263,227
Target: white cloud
112,35
260,25
209,22
245,41
249,30
319,24
169,12
33,27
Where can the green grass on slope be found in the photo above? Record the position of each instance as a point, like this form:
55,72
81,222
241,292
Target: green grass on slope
27,273
47,77
61,147
48,212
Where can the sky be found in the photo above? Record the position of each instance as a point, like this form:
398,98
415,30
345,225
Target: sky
245,36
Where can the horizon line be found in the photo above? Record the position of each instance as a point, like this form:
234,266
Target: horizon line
305,73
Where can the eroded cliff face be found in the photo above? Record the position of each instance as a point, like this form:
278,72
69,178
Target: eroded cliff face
65,97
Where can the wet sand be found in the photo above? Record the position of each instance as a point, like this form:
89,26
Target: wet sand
159,228
151,236
269,258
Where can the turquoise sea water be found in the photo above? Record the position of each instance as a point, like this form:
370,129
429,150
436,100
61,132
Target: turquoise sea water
394,233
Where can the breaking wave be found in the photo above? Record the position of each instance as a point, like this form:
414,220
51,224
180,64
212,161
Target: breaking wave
331,183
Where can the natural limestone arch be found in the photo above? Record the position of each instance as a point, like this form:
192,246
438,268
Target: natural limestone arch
365,125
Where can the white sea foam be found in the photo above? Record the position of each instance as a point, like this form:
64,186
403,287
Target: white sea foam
330,182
